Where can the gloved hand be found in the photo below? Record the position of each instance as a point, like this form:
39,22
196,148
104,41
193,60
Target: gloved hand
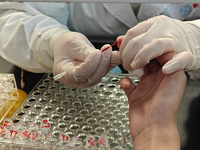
84,65
159,35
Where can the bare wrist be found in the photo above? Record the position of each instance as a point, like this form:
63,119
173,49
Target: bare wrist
158,138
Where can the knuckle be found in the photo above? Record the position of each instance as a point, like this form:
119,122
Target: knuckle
135,43
131,33
162,17
158,42
143,60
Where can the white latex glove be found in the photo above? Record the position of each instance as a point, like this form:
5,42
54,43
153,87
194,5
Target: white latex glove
84,65
156,36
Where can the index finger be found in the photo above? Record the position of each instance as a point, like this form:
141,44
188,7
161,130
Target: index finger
135,31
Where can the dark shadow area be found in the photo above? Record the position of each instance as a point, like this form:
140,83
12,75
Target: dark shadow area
30,79
192,126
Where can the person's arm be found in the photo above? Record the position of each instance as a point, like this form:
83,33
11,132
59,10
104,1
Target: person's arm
25,36
158,139
154,105
39,43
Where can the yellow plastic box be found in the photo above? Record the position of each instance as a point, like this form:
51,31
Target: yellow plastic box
8,94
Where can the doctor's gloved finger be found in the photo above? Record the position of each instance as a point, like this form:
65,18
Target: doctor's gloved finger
180,61
137,72
127,85
137,30
131,50
115,60
88,67
102,66
153,50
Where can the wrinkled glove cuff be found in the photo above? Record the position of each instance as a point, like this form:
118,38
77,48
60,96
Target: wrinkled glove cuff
43,49
194,75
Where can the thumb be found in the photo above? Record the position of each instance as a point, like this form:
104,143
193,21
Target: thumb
127,85
88,67
103,65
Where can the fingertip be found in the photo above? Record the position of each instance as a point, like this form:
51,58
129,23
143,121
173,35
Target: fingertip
125,83
106,48
116,58
119,41
164,71
137,72
171,66
133,65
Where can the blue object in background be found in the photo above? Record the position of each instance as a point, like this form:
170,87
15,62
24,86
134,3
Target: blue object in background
116,70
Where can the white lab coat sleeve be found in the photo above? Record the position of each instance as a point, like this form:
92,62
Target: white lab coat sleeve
196,74
96,20
26,37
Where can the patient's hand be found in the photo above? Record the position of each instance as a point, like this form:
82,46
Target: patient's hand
154,105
